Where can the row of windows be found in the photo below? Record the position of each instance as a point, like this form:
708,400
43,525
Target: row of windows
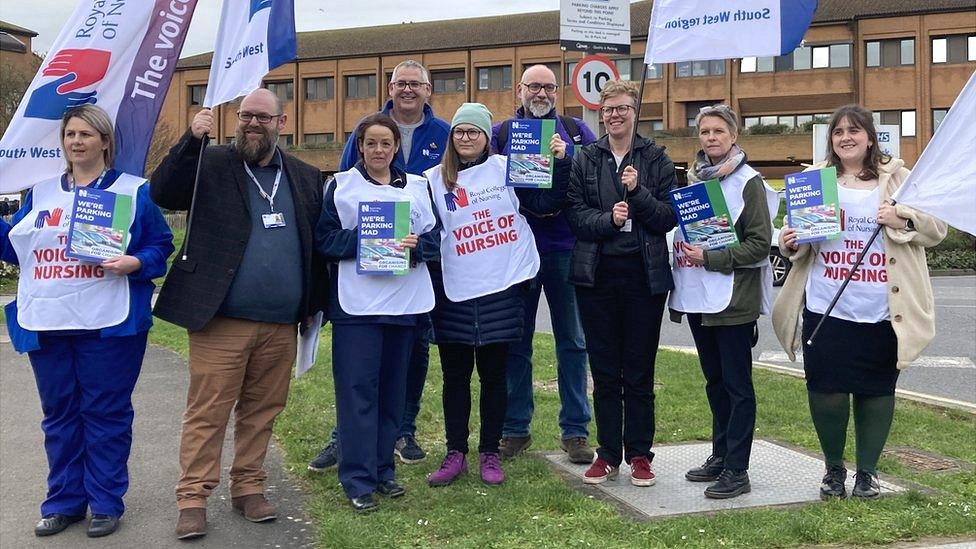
789,120
802,58
901,51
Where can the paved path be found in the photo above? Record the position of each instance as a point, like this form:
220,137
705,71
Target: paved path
153,468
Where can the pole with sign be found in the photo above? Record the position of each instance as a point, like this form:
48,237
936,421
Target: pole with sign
591,73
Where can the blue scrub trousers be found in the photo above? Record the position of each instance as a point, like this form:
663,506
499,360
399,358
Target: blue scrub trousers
85,383
369,365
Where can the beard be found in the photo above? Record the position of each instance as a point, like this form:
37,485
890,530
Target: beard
538,107
255,150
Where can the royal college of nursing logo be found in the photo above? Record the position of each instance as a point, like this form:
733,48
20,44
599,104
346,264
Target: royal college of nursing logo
258,5
50,218
458,198
76,73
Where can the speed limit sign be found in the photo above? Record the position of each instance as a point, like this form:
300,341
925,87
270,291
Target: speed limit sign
591,73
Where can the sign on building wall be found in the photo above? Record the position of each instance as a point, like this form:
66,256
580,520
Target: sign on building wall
595,26
889,139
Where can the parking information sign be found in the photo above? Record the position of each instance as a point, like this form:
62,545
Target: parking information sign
812,207
591,73
595,25
529,158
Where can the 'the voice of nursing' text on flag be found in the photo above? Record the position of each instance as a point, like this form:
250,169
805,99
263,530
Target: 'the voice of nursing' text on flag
724,29
119,57
943,181
255,36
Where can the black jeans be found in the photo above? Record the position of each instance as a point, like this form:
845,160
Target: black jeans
622,323
458,362
725,353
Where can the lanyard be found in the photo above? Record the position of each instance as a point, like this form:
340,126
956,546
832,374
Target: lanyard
274,189
94,184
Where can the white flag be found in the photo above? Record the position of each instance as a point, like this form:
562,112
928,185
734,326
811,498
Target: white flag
255,36
943,182
117,55
680,30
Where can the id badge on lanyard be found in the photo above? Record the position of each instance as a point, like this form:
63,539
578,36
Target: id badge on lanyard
273,219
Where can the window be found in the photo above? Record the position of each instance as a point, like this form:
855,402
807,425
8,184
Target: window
318,139
840,56
347,135
801,58
757,64
286,140
788,121
750,121
197,94
493,78
700,68
451,81
890,53
319,89
646,127
230,140
938,115
361,86
958,48
284,90
905,120
821,57
692,108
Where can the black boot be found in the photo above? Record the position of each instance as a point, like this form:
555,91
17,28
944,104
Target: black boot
709,470
832,485
731,483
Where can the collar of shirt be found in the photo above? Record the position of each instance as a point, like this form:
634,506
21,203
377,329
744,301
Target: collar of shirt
398,178
275,163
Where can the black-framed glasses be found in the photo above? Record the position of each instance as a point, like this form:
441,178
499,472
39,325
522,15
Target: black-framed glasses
413,85
621,110
260,117
534,87
470,135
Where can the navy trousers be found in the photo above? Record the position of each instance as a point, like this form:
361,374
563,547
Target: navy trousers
725,354
85,383
369,364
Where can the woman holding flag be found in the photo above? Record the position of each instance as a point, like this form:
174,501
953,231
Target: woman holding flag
84,325
884,318
723,292
374,316
487,251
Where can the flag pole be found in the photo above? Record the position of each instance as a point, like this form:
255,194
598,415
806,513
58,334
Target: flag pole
847,280
640,99
193,200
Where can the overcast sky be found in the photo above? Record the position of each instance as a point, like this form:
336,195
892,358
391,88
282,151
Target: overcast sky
46,17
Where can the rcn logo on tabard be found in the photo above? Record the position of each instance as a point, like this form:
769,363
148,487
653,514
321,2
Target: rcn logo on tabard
72,77
50,218
458,198
258,5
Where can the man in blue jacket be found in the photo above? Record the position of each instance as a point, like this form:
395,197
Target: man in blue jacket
423,138
537,92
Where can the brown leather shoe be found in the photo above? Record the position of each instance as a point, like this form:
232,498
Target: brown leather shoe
578,449
192,523
255,508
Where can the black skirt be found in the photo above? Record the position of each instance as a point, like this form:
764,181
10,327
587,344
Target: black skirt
850,357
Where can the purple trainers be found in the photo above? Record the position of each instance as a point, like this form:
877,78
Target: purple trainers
454,464
491,469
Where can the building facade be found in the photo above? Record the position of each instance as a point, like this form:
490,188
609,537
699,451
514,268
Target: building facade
905,60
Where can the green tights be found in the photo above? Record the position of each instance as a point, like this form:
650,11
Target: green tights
872,423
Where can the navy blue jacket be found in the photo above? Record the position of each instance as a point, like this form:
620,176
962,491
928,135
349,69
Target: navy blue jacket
429,143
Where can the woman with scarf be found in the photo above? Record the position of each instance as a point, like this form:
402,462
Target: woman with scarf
620,211
884,318
723,292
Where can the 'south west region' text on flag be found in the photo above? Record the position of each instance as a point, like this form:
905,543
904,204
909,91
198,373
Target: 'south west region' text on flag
943,181
117,55
255,36
725,29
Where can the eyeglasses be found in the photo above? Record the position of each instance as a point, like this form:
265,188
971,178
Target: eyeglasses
246,117
413,85
471,135
535,87
621,110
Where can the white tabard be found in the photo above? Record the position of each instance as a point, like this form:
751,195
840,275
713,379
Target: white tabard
697,290
486,244
57,292
407,294
866,297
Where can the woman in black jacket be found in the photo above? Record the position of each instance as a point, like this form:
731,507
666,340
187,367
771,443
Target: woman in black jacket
620,211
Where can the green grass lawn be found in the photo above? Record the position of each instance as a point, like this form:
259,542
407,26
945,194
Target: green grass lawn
536,508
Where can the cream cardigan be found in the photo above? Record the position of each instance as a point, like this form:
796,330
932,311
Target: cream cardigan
910,301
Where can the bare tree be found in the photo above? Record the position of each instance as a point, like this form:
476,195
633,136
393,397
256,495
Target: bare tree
163,139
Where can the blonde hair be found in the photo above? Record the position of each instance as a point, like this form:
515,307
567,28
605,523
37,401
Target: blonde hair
97,118
614,88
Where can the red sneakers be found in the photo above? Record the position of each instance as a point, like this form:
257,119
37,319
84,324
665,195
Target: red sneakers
641,473
599,472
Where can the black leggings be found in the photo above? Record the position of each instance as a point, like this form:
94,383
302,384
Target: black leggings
458,362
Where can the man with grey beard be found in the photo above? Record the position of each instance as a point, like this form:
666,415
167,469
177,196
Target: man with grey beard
537,92
244,280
